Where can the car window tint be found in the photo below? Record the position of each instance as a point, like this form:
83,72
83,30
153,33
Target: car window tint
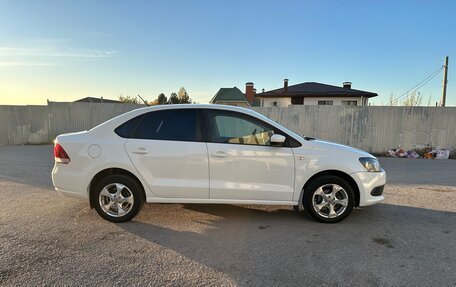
127,128
235,128
177,125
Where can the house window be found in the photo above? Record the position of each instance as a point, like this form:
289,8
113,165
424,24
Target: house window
325,103
297,101
349,103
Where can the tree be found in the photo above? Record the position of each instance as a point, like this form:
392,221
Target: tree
173,99
412,100
183,96
129,100
180,98
154,102
162,100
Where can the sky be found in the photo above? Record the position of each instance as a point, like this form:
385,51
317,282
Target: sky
67,50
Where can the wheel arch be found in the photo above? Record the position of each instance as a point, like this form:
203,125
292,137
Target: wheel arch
337,173
107,172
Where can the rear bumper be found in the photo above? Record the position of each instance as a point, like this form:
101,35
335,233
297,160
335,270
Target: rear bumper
70,181
70,193
370,184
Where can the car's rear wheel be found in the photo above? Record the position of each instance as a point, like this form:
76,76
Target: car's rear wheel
118,198
328,199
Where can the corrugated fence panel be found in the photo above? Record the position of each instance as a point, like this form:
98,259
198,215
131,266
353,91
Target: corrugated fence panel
23,125
38,128
5,122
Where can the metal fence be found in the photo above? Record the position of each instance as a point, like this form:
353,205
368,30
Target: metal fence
374,129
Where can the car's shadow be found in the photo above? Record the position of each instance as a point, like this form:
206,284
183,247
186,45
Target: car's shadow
276,242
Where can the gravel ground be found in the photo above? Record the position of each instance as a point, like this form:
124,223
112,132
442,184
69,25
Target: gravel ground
46,239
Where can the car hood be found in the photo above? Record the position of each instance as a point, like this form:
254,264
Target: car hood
337,147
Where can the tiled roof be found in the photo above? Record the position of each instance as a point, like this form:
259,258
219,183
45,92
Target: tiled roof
315,89
229,95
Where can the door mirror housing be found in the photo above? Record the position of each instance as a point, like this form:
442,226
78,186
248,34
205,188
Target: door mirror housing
277,140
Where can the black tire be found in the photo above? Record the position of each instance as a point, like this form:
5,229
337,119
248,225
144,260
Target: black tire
328,183
131,188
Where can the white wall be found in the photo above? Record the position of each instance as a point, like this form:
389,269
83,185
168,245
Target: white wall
285,102
337,101
269,102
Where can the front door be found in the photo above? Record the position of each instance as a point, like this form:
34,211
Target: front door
242,163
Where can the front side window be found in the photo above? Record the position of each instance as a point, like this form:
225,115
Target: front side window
235,128
173,125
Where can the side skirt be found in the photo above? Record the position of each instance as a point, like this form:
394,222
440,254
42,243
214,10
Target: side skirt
219,201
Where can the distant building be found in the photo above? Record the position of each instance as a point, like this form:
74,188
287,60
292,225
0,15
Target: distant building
230,96
235,97
95,100
312,93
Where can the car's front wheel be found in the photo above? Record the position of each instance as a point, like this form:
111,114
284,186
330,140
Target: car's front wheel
328,199
118,198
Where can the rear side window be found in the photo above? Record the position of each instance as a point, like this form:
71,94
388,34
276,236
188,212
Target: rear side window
173,125
127,128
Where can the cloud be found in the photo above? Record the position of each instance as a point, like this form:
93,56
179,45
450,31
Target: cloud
48,52
6,51
19,64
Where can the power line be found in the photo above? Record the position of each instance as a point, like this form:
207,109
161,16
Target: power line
432,87
420,84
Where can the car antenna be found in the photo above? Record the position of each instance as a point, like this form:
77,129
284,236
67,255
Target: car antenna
143,101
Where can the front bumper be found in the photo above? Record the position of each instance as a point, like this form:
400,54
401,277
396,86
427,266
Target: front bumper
369,184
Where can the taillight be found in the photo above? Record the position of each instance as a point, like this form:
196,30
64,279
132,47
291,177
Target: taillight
60,154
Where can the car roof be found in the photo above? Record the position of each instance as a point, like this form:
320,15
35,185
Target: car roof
116,121
108,126
196,106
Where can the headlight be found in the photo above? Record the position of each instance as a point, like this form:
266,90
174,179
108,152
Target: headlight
370,164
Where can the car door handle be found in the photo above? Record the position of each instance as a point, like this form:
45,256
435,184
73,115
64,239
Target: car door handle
219,154
140,150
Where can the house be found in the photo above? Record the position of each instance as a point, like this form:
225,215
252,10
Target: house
95,100
230,96
312,93
235,97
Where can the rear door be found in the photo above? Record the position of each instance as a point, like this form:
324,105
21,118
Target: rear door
242,163
167,151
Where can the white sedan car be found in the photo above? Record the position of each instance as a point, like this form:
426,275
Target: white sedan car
211,154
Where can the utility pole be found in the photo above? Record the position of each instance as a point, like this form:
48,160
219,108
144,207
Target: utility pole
445,76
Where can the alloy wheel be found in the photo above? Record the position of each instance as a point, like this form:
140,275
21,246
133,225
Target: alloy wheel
330,200
116,199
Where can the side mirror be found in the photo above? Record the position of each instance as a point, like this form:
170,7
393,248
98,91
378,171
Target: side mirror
277,140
